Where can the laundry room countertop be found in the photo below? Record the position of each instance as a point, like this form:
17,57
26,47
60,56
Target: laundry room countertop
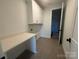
13,41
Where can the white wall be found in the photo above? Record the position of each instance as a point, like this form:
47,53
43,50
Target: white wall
47,17
13,17
46,27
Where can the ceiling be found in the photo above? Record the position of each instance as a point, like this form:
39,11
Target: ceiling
49,3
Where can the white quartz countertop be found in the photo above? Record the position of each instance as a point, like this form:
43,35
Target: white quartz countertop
12,41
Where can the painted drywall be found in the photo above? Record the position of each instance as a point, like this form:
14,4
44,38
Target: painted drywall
47,17
35,28
46,27
69,24
13,17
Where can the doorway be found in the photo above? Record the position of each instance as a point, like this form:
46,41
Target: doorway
55,23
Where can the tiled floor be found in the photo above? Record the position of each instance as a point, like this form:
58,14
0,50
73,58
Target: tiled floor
47,49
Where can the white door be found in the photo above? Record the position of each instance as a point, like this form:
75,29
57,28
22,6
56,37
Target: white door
61,23
70,30
74,42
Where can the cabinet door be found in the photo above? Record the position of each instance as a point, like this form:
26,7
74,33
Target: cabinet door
1,53
37,12
29,11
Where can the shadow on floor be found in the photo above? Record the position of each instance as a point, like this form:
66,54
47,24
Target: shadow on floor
47,49
25,55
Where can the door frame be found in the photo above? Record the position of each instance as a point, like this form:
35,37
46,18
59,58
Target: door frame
62,23
52,19
60,41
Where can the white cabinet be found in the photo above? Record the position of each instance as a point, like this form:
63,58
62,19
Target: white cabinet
35,13
1,52
29,11
35,17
